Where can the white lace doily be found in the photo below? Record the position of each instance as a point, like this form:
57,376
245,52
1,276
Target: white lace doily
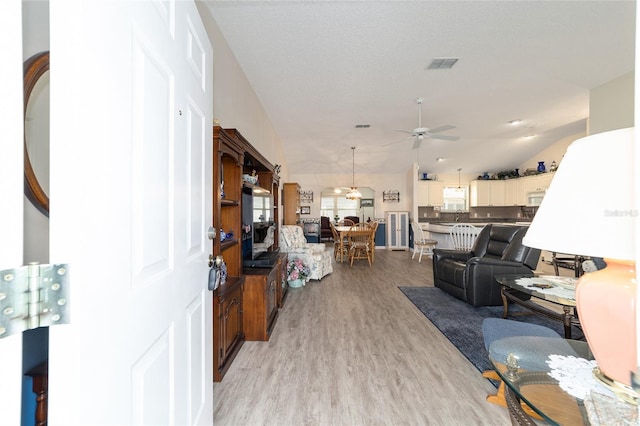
575,375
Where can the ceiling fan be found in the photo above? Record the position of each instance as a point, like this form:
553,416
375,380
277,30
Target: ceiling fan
419,133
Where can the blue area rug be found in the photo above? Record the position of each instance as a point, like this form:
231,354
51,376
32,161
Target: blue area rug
461,323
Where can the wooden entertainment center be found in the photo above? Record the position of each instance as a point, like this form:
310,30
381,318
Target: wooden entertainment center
246,306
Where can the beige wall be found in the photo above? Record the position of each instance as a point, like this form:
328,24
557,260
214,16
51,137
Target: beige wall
235,104
611,105
378,182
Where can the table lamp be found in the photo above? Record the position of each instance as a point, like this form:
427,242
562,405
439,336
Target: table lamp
590,209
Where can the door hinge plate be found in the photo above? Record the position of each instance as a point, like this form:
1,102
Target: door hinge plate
33,296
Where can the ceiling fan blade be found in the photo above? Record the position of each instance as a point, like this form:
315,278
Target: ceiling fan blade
404,131
399,140
442,128
445,137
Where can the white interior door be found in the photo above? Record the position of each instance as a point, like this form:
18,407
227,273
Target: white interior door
11,194
131,114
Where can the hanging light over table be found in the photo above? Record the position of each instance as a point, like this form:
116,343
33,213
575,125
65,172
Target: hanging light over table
353,193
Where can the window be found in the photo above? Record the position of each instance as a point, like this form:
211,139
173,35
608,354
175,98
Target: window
331,205
455,199
262,208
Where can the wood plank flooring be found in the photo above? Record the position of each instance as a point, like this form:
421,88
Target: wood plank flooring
351,349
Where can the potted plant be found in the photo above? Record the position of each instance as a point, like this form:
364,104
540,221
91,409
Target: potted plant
297,273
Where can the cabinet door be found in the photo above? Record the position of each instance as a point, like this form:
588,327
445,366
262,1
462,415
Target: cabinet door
479,193
430,193
423,193
436,193
392,234
228,331
403,230
497,193
514,193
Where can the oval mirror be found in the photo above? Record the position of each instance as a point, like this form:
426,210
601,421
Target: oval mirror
36,130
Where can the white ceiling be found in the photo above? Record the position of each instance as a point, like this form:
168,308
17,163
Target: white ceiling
322,67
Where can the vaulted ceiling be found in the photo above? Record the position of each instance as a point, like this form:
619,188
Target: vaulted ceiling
321,68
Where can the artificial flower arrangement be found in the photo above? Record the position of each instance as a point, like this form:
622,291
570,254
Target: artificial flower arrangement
297,270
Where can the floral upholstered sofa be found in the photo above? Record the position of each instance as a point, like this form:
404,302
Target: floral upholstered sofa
314,255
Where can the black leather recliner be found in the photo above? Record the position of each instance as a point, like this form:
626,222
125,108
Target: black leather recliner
469,275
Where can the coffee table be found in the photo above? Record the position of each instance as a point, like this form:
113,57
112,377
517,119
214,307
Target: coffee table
557,290
521,363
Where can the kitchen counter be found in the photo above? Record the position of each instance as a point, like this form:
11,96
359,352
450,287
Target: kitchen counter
439,231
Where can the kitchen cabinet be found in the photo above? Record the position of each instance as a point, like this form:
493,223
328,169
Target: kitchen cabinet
291,203
397,226
487,193
430,193
537,183
514,192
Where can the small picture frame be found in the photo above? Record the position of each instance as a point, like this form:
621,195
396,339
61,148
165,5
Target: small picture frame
366,202
305,209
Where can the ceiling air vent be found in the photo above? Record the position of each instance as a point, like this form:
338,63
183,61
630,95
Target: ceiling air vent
442,63
363,126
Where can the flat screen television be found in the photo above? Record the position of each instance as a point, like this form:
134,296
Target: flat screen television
258,226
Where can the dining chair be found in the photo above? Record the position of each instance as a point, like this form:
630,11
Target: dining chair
373,227
359,247
340,248
346,222
421,242
463,236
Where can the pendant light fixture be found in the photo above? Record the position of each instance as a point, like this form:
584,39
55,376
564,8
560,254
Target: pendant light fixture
353,193
459,169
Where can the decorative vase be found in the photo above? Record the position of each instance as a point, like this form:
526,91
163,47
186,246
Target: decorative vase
296,283
541,167
606,302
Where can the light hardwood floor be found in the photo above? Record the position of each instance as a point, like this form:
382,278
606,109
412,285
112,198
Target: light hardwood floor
351,349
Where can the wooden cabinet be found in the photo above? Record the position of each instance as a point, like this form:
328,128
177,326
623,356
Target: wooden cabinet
430,193
486,193
228,334
291,204
261,301
283,288
397,226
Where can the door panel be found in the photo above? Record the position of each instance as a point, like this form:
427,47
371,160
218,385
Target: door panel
131,202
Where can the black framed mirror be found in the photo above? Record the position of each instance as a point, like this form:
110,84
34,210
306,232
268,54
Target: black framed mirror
34,69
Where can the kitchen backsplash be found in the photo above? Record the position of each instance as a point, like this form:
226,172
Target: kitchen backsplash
477,214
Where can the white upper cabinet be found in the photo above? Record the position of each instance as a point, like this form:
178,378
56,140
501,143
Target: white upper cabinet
487,193
430,193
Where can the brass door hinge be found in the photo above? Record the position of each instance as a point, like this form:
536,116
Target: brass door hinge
33,296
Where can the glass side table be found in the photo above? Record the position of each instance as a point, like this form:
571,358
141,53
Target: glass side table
521,364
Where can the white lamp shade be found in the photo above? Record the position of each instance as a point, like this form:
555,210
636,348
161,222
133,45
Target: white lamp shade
589,207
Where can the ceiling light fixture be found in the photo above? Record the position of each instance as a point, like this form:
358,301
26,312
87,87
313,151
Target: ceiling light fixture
515,122
353,193
459,169
440,159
